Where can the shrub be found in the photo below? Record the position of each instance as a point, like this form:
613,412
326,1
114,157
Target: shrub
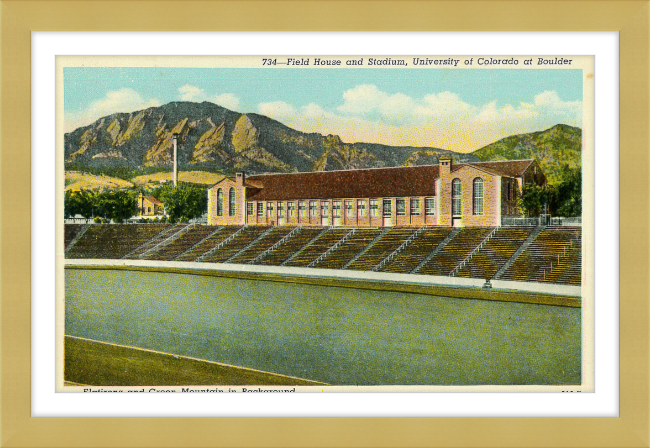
163,219
156,219
97,220
105,221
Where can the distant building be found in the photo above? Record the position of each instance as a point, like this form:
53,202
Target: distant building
149,206
447,194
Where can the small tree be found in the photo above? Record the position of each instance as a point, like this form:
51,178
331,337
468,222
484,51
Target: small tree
117,205
78,203
569,192
534,197
185,201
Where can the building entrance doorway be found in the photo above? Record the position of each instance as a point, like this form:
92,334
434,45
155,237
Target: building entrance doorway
387,213
456,221
336,213
325,214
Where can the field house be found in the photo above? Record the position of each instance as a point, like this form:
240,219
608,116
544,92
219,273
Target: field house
440,220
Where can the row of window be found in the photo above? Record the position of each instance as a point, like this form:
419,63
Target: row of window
231,202
400,204
310,208
457,193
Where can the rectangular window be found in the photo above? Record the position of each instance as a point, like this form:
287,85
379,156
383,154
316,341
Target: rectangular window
249,208
302,209
280,210
291,208
430,206
388,208
260,209
401,207
374,208
325,208
361,208
349,210
415,207
313,211
337,209
269,209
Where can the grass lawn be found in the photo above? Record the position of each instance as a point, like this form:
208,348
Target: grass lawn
99,364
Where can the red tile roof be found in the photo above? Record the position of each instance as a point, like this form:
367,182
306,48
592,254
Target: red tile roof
153,200
365,183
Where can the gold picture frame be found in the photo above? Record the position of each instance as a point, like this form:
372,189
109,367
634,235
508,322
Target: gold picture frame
19,18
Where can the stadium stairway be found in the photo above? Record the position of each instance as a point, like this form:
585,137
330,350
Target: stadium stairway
338,257
486,261
455,251
544,254
419,251
208,243
302,238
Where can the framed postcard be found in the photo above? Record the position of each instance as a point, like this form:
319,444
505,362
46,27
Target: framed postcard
239,232
325,223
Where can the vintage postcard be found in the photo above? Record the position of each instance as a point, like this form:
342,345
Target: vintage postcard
322,223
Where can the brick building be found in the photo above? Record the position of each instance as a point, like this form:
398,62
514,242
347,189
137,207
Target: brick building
149,206
447,194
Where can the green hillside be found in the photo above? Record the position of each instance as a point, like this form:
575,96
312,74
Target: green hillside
553,149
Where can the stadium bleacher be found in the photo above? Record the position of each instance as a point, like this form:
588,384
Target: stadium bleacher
243,239
493,255
554,255
385,246
70,232
455,251
346,251
414,253
180,245
318,247
113,240
265,242
282,253
200,248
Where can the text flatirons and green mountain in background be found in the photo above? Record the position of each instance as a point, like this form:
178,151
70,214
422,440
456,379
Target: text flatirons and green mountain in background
213,137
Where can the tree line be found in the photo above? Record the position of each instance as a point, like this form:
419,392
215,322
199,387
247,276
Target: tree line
184,202
562,199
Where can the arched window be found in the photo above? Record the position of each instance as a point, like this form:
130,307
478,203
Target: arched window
231,202
456,191
219,202
477,196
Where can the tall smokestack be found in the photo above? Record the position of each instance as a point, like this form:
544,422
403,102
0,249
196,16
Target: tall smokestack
175,144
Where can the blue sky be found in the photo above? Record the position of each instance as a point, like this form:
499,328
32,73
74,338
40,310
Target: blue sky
423,107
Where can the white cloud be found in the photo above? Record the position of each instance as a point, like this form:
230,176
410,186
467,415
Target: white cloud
123,100
278,110
191,93
440,120
227,100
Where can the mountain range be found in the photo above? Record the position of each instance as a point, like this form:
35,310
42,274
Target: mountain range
215,138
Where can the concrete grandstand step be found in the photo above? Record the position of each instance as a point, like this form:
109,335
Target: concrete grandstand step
332,248
218,229
471,254
276,245
397,251
255,240
435,251
367,248
150,242
519,251
184,228
221,244
76,238
309,243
